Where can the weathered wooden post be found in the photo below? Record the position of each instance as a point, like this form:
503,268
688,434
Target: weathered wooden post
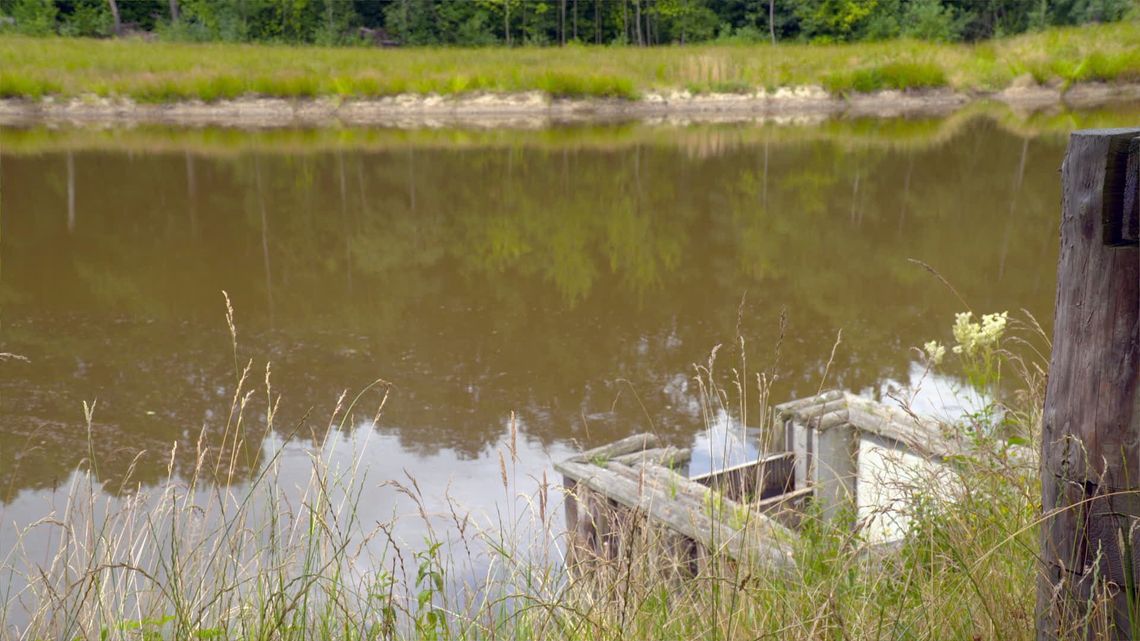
1090,463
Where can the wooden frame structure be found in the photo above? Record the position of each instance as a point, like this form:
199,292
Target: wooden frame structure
749,513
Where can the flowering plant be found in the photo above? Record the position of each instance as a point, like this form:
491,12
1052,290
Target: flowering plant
978,343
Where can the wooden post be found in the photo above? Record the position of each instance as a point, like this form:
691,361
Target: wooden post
1090,451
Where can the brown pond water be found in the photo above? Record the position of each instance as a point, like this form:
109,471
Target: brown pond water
571,277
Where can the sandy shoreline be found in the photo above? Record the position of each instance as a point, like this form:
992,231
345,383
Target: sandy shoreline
534,108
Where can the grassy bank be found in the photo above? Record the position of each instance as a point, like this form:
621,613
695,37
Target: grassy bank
195,559
165,72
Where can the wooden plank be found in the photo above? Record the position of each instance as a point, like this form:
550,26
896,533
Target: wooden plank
776,534
815,411
787,509
570,505
648,496
922,436
923,439
627,445
580,471
598,524
793,499
828,420
833,471
576,527
668,456
769,459
784,410
761,479
667,486
1091,421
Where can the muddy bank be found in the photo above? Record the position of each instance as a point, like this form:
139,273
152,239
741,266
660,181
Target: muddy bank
536,109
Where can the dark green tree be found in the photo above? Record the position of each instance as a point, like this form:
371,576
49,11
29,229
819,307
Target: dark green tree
551,22
86,18
686,20
833,20
32,17
931,20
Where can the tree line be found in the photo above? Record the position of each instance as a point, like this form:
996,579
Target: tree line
549,22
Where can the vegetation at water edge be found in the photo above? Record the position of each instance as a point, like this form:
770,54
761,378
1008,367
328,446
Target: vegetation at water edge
165,72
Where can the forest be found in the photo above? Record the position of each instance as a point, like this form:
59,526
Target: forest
549,22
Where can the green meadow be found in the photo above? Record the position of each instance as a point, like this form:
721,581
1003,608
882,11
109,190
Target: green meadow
158,72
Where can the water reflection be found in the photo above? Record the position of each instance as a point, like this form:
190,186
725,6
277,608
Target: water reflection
574,285
933,394
386,513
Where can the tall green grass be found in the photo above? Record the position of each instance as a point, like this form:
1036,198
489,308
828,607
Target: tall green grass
162,72
893,75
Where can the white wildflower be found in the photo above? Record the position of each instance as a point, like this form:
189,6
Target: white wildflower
965,331
975,337
993,326
935,351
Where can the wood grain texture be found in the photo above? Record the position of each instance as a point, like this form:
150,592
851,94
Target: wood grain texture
1090,455
668,456
627,445
605,496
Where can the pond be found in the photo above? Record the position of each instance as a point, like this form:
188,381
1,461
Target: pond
557,284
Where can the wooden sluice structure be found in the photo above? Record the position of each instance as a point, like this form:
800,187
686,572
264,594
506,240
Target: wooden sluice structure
749,513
